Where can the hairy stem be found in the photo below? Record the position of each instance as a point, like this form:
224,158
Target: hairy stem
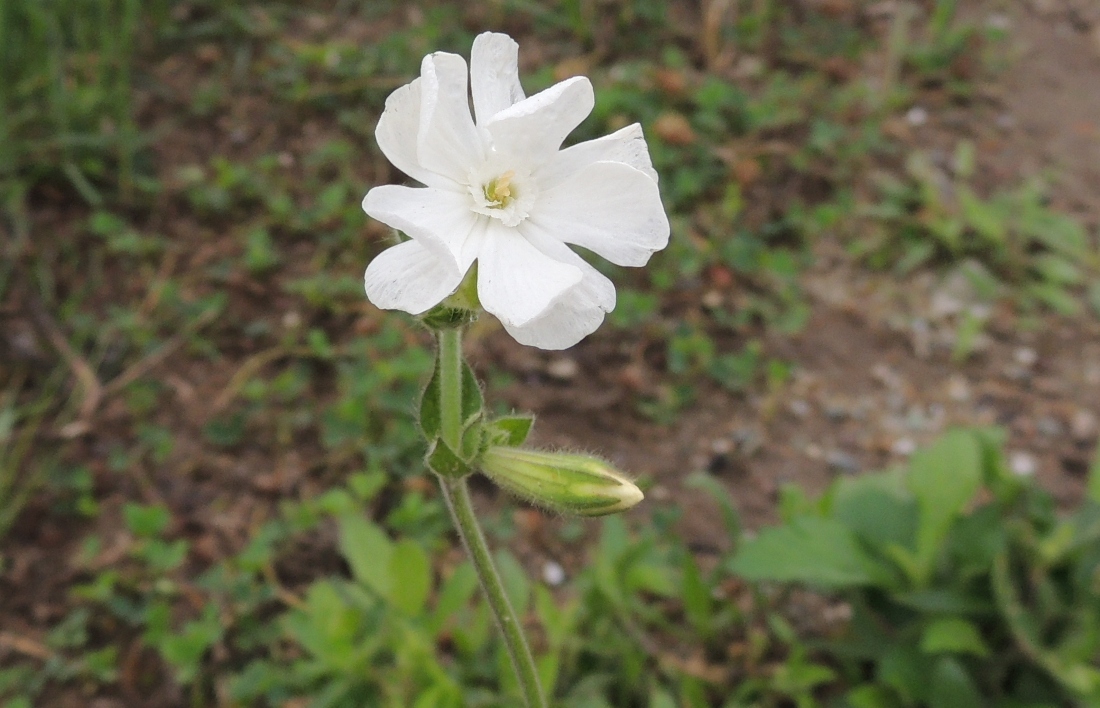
461,507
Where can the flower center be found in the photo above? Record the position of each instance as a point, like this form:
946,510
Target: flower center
499,190
505,195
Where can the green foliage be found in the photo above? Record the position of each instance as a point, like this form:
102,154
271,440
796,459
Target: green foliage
955,602
65,102
935,214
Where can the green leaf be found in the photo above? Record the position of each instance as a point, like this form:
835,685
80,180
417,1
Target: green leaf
473,439
444,462
430,415
696,597
185,649
661,698
411,577
455,593
878,508
326,625
146,521
871,696
1058,269
368,551
944,478
810,550
516,584
952,687
905,669
473,402
509,430
953,635
984,217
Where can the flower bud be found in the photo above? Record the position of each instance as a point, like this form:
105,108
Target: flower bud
573,484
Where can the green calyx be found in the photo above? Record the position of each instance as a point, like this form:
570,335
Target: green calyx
572,484
460,309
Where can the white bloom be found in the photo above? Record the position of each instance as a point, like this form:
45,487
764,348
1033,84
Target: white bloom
501,191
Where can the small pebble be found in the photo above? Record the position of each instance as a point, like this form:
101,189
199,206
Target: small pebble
1083,425
917,116
553,573
748,442
835,410
799,408
563,369
904,447
1049,426
840,461
958,389
659,493
721,446
1026,356
1022,464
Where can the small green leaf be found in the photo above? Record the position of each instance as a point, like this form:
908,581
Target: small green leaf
944,478
984,217
455,593
473,403
473,439
509,430
952,687
442,460
514,578
953,635
698,605
146,521
1058,269
430,415
368,551
809,550
411,575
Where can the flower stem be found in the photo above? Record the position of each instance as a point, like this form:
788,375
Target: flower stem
461,507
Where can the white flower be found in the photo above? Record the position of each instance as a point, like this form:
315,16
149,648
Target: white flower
501,191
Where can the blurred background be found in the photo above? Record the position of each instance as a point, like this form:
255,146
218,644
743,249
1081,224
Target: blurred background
884,219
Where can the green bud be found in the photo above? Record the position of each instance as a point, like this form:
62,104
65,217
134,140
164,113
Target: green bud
572,484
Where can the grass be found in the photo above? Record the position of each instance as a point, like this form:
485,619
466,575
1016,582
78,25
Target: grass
197,252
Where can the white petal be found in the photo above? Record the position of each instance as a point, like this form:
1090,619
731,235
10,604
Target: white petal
396,135
440,219
577,313
560,327
516,282
625,145
595,288
494,74
533,129
608,207
410,277
447,142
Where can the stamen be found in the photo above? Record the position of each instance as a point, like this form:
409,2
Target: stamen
499,190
